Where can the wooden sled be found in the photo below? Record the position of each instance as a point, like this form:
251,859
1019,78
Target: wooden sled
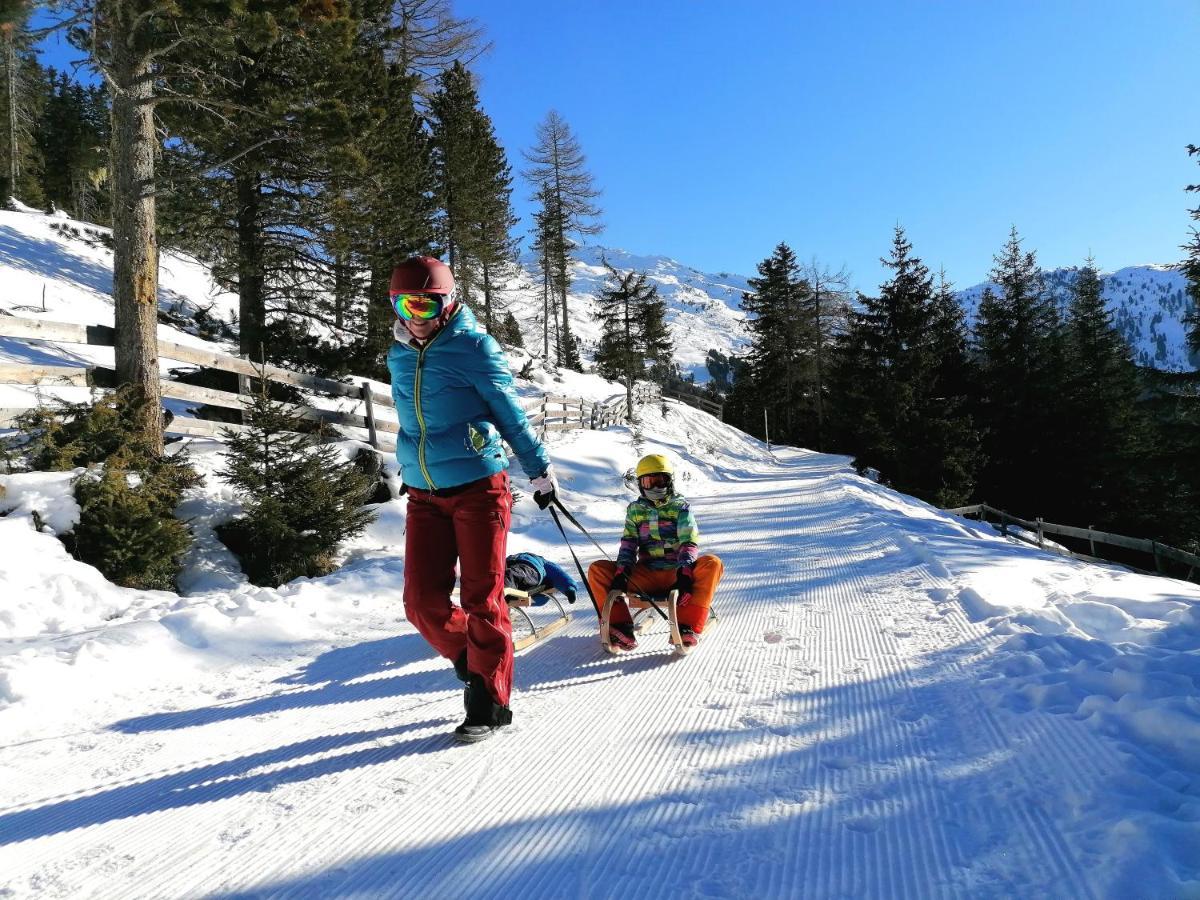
642,611
526,633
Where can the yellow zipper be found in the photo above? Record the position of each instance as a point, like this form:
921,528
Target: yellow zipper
417,406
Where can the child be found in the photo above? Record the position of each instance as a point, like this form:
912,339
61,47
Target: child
658,553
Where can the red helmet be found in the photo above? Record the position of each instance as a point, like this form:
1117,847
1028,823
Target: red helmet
423,274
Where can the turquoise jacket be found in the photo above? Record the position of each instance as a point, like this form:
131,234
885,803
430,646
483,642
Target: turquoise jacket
455,402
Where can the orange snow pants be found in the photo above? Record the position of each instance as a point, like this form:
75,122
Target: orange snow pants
707,575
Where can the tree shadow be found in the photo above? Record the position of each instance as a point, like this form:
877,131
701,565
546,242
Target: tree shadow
221,780
880,788
331,678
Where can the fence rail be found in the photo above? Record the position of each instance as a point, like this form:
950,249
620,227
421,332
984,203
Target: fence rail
1040,527
548,413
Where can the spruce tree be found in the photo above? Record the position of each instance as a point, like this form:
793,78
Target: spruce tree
1191,270
21,101
72,139
1101,427
621,309
474,183
1018,345
300,499
567,193
782,352
899,412
257,175
128,494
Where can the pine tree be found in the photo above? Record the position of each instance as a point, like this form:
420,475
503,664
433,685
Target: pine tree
567,194
1101,427
1018,346
137,45
474,190
509,332
21,99
301,501
128,494
899,413
828,308
621,308
1191,270
656,341
258,175
783,344
72,139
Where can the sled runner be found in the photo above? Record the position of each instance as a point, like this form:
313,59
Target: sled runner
640,607
526,632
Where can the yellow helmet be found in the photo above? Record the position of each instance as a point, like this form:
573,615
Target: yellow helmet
655,462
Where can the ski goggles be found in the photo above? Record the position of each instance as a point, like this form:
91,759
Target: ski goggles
655,480
421,307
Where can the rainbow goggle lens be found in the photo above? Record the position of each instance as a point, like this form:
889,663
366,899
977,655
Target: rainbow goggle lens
419,307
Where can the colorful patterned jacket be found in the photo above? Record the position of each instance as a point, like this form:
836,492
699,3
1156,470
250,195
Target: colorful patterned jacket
661,537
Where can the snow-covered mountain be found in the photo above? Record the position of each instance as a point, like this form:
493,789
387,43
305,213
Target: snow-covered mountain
703,309
1148,305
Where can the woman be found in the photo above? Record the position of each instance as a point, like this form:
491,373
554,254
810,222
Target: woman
455,402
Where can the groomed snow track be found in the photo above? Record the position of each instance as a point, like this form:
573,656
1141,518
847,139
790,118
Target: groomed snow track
828,739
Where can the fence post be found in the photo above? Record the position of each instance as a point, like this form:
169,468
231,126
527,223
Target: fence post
1091,540
545,415
372,436
1158,564
1041,543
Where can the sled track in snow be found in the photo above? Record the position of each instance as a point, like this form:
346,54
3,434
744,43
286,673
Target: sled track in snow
829,738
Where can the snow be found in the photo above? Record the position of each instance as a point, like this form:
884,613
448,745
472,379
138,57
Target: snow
894,701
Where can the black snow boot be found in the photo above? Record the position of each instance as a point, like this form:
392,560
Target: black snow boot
484,715
460,668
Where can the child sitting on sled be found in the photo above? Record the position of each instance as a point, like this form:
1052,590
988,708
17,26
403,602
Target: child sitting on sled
659,553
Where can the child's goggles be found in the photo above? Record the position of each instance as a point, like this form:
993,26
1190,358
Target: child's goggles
421,307
655,480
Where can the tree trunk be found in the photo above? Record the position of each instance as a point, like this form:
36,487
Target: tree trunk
488,319
135,247
251,303
342,287
629,358
10,67
820,375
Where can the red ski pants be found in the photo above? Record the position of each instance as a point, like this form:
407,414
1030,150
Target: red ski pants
707,575
470,526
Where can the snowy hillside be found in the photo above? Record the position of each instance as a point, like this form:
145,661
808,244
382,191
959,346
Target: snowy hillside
1148,305
894,702
703,310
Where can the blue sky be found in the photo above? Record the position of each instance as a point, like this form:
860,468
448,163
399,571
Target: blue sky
717,129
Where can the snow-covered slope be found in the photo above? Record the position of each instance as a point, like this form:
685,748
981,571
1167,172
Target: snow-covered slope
1148,305
893,703
703,310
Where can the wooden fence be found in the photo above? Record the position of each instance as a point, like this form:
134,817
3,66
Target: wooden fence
709,406
548,413
1161,552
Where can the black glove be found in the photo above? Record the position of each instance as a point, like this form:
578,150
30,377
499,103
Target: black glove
543,500
620,580
684,583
